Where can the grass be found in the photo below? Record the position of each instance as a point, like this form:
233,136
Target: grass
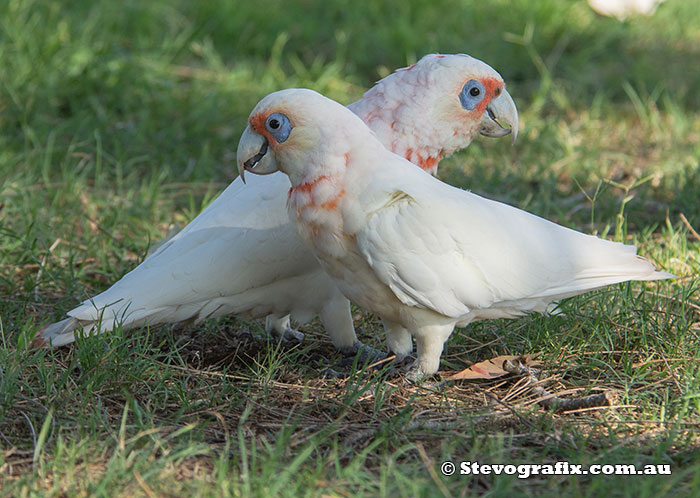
119,120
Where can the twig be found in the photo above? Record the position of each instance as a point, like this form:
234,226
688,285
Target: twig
689,226
359,436
671,372
146,488
508,407
430,466
687,303
552,401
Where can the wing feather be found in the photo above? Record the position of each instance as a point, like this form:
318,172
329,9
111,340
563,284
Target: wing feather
444,249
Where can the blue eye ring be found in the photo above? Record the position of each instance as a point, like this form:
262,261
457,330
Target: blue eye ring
472,93
279,126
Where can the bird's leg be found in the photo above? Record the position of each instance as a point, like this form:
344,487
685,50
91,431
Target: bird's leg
278,326
337,320
398,339
429,344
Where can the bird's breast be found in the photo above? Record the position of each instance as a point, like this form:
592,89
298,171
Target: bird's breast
319,223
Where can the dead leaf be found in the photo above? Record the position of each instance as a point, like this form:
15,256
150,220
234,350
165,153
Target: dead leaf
490,369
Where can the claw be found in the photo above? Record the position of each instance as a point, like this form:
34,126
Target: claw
415,375
362,353
292,335
329,373
318,358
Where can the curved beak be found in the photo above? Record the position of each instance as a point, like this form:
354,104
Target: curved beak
253,155
500,110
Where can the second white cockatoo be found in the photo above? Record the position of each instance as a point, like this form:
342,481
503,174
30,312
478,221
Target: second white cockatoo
622,9
241,254
423,255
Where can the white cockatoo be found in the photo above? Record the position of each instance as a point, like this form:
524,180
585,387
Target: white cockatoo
423,255
242,255
622,9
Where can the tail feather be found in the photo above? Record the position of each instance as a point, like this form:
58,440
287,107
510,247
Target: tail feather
57,334
94,321
636,269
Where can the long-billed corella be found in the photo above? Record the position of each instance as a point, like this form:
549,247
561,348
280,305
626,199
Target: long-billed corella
242,255
423,255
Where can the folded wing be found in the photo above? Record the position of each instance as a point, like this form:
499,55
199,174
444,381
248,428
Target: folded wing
453,252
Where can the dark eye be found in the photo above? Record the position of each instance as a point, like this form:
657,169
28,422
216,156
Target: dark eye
279,126
472,93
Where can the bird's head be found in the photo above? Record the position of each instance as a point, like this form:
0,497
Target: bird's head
297,128
437,106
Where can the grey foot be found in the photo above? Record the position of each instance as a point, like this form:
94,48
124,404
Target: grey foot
292,335
401,366
389,369
408,368
362,354
329,373
415,375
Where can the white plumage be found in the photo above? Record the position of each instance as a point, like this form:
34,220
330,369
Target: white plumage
421,254
241,254
622,9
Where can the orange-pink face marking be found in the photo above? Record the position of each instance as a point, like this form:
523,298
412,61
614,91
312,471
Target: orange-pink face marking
257,124
493,88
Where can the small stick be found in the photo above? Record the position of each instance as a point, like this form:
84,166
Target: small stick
146,488
689,226
552,401
430,467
